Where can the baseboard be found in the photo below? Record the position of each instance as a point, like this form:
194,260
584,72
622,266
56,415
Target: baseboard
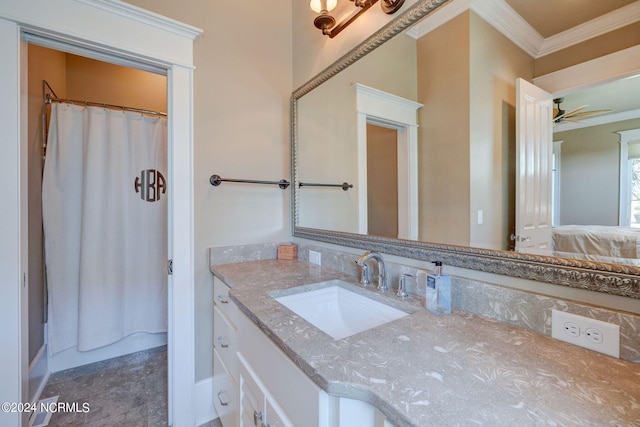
71,358
38,374
204,409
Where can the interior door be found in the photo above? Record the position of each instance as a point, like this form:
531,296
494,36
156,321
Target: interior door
534,150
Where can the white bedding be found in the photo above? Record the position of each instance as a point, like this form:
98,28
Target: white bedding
598,243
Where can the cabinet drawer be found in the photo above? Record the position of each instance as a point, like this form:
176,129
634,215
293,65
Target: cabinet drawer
225,393
225,341
222,301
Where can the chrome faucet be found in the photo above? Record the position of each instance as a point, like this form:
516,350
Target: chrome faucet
362,262
402,286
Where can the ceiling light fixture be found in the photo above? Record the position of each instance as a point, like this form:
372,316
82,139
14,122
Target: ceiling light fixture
327,23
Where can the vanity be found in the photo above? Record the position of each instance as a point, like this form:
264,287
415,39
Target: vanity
418,370
422,369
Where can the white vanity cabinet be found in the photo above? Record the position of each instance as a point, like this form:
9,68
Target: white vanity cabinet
225,365
274,392
272,387
257,407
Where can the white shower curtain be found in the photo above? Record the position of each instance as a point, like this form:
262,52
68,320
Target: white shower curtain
104,197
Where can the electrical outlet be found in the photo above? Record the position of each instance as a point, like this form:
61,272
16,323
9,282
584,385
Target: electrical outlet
571,329
315,257
594,335
586,332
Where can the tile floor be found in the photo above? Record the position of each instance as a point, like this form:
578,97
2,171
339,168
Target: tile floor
130,390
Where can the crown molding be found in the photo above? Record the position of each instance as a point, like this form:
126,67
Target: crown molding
623,63
439,17
596,27
510,24
144,16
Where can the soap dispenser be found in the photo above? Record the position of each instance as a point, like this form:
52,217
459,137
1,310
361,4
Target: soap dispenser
438,298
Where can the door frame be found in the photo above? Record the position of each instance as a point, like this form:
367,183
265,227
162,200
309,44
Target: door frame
387,110
96,25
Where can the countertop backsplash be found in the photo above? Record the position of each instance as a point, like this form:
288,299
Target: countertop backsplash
512,306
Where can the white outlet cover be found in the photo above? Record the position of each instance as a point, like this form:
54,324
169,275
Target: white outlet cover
315,257
610,333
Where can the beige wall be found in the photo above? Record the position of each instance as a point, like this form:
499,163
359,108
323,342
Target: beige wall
242,83
97,81
443,135
44,64
382,181
467,133
495,64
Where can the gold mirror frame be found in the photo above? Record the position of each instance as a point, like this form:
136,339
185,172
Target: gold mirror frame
615,279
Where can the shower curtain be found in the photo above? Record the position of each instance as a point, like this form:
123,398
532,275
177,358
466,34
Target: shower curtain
104,197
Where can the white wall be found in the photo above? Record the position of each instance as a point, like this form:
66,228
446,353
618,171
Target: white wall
242,84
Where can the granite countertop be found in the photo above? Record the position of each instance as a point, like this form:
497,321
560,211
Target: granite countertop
426,370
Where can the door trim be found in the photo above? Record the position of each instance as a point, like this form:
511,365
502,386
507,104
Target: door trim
97,25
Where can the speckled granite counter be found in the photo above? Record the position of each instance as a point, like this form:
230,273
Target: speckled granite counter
426,370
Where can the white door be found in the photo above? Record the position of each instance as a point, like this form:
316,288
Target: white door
534,149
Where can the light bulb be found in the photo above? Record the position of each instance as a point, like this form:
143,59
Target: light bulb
316,5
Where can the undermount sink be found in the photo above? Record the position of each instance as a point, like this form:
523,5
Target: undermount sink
337,311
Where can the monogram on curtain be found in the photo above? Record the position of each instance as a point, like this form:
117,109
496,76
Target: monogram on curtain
104,197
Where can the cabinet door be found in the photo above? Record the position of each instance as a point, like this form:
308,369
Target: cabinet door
224,393
257,406
274,415
251,400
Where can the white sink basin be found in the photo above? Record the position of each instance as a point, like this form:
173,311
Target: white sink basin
337,311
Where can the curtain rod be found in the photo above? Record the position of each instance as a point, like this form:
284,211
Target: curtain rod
49,99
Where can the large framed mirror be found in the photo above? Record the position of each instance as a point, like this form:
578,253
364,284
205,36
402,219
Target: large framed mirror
408,145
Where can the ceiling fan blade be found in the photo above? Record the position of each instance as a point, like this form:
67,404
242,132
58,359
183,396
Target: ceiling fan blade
588,113
561,117
575,110
565,121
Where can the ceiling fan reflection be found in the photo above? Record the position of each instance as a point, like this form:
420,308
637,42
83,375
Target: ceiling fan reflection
561,116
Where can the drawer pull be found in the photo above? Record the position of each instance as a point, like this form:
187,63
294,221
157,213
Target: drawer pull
257,417
223,342
222,397
223,299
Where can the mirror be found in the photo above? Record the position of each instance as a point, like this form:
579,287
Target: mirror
462,215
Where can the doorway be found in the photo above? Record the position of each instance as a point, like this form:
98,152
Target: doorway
151,40
65,76
379,111
382,181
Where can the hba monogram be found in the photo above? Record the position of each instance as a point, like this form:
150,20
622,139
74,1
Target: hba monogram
150,184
